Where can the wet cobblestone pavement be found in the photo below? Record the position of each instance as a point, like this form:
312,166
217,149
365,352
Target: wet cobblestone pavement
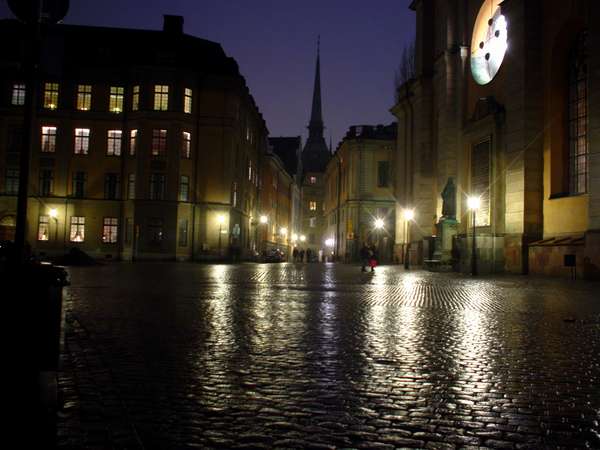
177,356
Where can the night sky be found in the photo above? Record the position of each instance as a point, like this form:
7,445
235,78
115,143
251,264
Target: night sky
274,43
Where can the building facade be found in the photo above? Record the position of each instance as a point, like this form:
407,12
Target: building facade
359,202
501,110
147,145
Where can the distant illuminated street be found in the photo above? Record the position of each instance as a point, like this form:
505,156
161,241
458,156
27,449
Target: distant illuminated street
174,356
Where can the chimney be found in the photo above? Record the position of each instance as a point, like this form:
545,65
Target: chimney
173,24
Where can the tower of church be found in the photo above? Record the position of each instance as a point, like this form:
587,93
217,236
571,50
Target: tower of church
316,154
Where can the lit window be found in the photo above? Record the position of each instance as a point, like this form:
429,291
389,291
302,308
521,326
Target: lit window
12,181
578,118
44,228
79,184
110,228
48,139
46,183
133,134
116,99
77,233
131,186
157,186
312,222
18,94
50,95
313,180
84,97
184,188
161,97
113,147
187,101
135,101
82,141
186,149
312,206
111,186
159,142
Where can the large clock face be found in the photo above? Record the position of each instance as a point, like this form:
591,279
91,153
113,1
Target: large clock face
490,41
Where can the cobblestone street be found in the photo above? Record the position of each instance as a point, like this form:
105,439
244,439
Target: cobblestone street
175,356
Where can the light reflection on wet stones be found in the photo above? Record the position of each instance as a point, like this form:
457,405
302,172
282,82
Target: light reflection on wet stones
321,356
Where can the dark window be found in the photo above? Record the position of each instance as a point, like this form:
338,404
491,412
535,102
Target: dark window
383,173
159,142
131,186
578,118
157,186
183,232
79,184
15,140
46,183
12,181
155,230
184,188
111,186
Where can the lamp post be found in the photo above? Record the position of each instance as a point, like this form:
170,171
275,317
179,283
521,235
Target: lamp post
221,221
409,215
473,204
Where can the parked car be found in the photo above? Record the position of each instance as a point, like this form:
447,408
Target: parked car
273,255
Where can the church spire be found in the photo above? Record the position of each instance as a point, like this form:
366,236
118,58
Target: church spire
316,117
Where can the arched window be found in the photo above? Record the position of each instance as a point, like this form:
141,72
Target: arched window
578,117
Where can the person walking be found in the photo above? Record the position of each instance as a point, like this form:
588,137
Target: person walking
302,255
364,257
295,254
373,258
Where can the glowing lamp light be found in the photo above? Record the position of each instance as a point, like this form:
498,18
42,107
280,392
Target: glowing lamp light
473,203
53,213
264,219
283,231
294,237
221,219
379,223
302,238
409,214
329,242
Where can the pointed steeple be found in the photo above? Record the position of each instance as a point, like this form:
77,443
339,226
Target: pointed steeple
316,154
316,116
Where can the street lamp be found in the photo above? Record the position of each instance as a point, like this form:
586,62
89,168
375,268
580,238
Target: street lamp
302,238
264,219
221,221
473,203
409,215
379,224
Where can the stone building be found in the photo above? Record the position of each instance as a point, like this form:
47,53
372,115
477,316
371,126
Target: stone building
502,109
359,201
315,157
147,144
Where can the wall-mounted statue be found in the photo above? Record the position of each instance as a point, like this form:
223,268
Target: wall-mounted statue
449,200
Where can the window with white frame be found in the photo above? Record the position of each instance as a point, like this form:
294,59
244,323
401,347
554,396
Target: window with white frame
18,94
110,229
82,141
159,142
187,101
135,99
113,147
313,180
184,188
84,97
77,232
133,135
44,228
312,222
186,145
161,97
48,139
115,104
50,95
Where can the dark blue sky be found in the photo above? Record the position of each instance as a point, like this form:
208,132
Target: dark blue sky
274,42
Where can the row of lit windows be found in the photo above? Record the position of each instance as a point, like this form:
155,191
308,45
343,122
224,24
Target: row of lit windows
114,142
157,188
116,97
110,230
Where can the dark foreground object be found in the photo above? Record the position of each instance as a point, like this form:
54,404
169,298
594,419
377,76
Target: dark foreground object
32,323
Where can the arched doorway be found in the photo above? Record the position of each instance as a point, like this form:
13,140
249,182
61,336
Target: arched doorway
7,228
